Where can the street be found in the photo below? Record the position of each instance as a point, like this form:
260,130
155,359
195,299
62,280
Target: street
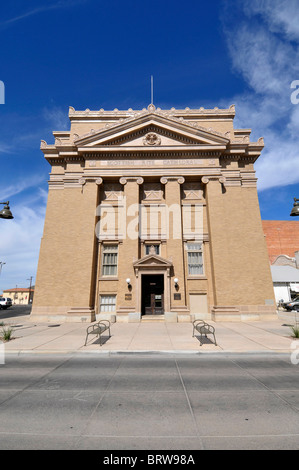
149,401
15,311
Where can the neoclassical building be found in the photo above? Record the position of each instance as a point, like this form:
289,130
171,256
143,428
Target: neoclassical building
153,213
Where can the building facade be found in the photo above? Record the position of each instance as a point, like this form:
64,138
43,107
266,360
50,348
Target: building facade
20,295
153,213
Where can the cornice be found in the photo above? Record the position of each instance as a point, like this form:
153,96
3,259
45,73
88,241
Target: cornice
125,114
106,143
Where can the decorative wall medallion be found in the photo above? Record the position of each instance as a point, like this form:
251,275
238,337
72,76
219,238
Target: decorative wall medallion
152,139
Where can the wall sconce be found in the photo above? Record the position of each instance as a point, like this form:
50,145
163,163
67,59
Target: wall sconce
128,281
176,283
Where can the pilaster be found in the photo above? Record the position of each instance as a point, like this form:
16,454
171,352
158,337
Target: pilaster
240,267
129,248
175,247
66,275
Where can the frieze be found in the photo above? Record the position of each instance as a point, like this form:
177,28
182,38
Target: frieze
158,162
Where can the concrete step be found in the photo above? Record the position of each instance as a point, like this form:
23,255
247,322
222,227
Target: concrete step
152,318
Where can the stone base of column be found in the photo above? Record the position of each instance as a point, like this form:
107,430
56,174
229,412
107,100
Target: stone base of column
243,313
81,314
106,316
62,314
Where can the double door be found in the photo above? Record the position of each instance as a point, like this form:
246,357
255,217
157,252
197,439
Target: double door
153,294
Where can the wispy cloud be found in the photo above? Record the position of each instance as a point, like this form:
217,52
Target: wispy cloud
20,244
264,48
54,6
5,148
20,237
57,117
18,186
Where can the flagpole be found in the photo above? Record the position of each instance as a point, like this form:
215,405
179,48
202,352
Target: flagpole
152,90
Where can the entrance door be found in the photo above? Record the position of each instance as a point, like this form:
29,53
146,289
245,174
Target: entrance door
152,294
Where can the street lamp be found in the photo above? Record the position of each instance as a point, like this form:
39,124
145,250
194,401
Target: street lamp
1,264
6,213
295,210
30,279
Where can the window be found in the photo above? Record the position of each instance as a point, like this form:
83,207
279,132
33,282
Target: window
109,264
107,303
152,248
195,263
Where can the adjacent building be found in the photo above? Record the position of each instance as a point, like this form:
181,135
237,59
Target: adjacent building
282,238
20,295
153,213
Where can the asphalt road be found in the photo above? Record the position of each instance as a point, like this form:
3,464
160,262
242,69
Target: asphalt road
149,402
15,311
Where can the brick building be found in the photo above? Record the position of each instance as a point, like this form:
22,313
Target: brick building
282,238
153,212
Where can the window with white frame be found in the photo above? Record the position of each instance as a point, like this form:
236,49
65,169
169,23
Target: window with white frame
109,260
107,303
194,257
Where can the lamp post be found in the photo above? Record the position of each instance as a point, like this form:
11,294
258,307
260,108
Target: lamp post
6,212
295,210
1,264
29,289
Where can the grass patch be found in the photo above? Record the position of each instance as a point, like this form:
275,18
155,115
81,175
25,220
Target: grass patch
6,334
295,330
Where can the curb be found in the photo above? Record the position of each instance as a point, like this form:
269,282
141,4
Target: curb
151,352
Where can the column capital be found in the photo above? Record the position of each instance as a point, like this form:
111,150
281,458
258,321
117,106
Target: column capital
207,179
166,179
125,179
82,180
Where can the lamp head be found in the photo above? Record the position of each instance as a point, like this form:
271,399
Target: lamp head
6,212
295,210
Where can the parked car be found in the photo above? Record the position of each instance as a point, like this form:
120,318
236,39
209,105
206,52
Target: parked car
292,305
5,302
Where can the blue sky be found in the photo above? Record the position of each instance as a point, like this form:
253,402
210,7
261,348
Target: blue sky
101,54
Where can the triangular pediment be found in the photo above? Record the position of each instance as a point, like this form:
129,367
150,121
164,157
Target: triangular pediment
152,261
149,131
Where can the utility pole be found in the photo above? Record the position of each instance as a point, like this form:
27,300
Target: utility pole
30,279
1,264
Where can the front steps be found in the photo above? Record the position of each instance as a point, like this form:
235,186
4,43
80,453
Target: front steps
152,318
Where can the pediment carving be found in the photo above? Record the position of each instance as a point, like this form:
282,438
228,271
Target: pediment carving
151,131
152,136
151,261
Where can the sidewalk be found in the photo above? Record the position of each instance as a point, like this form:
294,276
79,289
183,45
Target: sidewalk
252,337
